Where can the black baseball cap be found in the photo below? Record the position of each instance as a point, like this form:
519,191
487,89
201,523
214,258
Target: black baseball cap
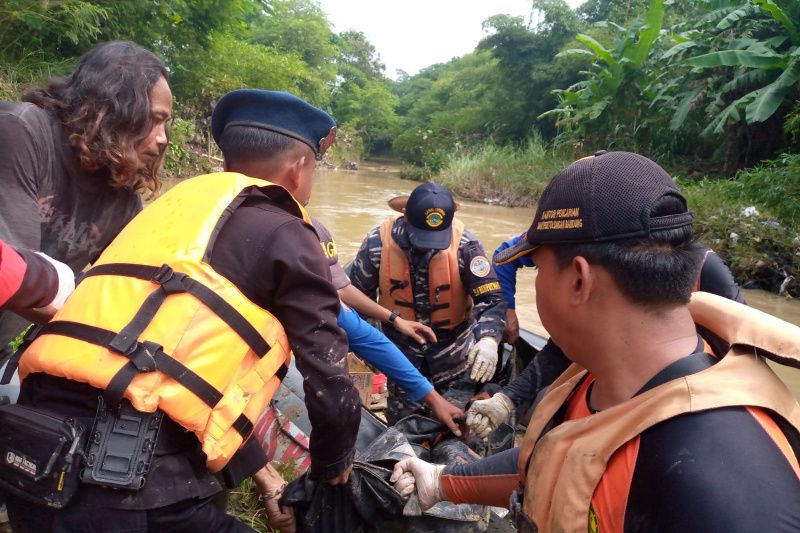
429,213
601,198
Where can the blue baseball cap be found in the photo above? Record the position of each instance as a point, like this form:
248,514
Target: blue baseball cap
429,215
276,111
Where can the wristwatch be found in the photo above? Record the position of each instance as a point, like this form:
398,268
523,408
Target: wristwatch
393,317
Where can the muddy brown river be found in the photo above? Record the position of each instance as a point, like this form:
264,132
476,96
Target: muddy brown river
352,203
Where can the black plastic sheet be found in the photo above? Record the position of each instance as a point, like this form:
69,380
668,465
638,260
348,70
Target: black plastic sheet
368,502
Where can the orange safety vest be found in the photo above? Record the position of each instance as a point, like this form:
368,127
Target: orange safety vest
153,322
450,304
562,467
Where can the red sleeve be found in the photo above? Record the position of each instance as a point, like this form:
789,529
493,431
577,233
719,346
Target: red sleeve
489,481
12,271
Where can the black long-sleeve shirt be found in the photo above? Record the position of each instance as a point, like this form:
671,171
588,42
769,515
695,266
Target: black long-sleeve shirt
275,260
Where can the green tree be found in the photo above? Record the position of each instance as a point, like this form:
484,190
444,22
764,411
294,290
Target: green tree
229,63
301,28
610,104
362,98
528,68
49,30
359,54
767,63
732,78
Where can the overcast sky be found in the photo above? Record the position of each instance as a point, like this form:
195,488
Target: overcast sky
412,34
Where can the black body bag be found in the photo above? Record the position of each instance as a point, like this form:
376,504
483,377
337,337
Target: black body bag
40,455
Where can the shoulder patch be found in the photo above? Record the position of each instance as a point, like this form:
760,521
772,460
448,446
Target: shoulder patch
480,266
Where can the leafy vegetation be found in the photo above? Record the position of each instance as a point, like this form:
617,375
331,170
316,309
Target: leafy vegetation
508,175
762,252
708,88
210,47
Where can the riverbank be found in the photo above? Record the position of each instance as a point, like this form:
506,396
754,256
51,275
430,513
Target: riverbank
752,221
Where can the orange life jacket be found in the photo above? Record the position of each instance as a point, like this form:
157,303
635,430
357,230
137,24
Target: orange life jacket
152,321
562,467
450,304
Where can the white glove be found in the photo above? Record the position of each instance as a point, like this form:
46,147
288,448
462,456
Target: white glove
414,473
483,359
484,416
66,281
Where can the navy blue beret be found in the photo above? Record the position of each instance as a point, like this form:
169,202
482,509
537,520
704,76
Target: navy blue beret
276,111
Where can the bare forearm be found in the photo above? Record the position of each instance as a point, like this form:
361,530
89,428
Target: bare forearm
363,304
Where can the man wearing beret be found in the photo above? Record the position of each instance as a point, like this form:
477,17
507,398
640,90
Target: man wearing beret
200,303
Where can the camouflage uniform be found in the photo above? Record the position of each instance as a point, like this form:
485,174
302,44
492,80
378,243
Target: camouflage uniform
445,362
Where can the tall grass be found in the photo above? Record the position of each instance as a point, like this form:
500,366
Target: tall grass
762,250
776,186
16,78
507,175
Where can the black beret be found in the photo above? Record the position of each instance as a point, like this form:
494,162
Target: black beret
276,111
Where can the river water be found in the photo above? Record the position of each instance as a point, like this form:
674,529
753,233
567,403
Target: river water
352,203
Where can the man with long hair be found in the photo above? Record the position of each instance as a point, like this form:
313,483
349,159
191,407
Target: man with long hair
76,153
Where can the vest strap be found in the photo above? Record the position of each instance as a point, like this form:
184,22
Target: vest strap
243,426
147,357
176,282
141,358
438,290
125,341
556,419
397,284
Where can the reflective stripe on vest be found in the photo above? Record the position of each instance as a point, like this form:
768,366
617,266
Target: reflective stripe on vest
154,323
449,301
562,467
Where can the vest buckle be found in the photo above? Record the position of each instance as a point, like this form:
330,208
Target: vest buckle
171,282
124,344
163,275
143,357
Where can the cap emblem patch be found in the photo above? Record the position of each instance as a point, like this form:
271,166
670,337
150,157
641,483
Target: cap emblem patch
434,217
